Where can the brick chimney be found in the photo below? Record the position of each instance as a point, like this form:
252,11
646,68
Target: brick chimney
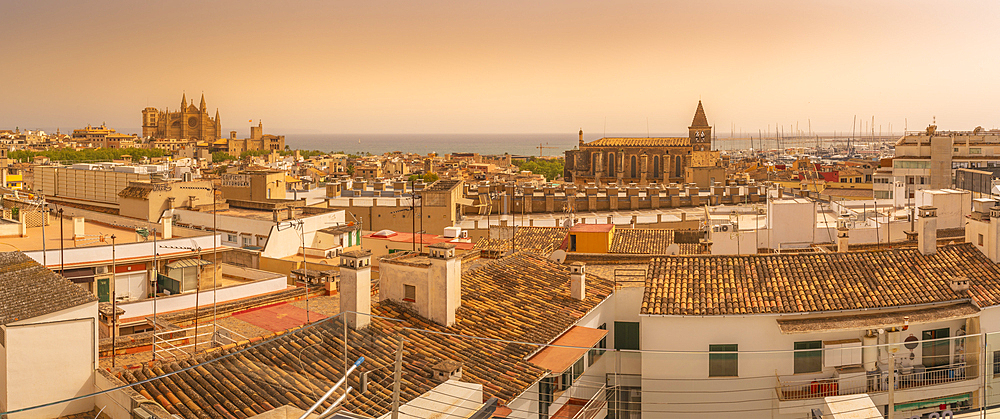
356,287
578,280
927,230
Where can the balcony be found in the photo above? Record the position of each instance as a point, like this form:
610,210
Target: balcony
911,384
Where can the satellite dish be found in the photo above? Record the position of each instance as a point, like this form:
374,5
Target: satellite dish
673,249
559,256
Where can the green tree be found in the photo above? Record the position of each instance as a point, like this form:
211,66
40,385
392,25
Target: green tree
550,168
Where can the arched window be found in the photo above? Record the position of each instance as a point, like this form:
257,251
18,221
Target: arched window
677,166
632,163
593,165
656,166
611,165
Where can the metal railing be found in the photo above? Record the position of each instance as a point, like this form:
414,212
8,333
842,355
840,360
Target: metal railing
594,406
219,335
912,377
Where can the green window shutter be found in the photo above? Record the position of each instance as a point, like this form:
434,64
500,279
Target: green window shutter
808,361
723,361
627,335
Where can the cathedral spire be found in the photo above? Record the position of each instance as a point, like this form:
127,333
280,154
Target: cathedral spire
700,120
184,101
202,107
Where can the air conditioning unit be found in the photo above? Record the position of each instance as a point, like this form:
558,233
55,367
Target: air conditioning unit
716,229
332,253
101,270
725,228
464,234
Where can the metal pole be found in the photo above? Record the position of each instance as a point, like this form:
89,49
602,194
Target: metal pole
156,283
114,303
397,371
62,245
197,304
45,253
215,261
305,265
891,408
413,221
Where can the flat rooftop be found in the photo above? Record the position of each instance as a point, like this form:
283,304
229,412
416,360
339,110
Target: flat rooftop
94,233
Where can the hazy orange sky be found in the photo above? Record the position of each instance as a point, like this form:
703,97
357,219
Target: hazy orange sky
503,66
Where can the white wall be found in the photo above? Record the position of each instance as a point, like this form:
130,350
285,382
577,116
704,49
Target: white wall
140,309
788,220
689,337
90,255
952,205
50,358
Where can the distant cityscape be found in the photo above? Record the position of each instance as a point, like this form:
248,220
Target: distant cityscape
187,272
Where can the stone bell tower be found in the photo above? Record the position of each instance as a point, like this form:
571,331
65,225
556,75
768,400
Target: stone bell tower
700,132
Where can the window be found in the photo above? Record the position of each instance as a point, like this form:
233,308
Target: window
980,239
572,242
546,388
410,293
936,353
808,361
594,354
723,361
231,238
246,241
626,335
902,164
975,151
996,362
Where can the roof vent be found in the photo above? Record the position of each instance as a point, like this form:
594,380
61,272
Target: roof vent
959,283
446,370
995,212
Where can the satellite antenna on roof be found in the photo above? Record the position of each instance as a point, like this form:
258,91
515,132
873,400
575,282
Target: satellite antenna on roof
673,249
559,256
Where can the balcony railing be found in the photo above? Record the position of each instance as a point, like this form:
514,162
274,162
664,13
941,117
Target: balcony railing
789,389
594,405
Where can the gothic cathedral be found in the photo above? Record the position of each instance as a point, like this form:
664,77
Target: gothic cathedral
189,123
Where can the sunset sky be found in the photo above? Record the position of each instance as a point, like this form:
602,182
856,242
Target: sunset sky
503,66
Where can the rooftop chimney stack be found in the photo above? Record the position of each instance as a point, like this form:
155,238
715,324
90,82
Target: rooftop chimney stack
578,280
168,227
927,230
356,287
445,283
843,238
79,227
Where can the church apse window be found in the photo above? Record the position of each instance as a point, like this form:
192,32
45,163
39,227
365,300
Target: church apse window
677,166
632,164
656,166
611,164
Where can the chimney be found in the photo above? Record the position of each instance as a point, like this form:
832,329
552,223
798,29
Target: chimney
959,283
927,230
79,228
168,227
445,279
356,287
842,239
275,215
578,280
446,370
291,211
170,202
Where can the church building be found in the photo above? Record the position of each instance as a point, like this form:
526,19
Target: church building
640,160
188,123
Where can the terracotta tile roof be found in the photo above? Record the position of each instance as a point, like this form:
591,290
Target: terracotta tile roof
648,241
27,289
522,297
538,240
796,283
136,192
641,142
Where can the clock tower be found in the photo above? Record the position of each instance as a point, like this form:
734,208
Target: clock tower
700,132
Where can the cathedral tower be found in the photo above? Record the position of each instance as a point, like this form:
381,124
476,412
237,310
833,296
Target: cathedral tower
700,132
